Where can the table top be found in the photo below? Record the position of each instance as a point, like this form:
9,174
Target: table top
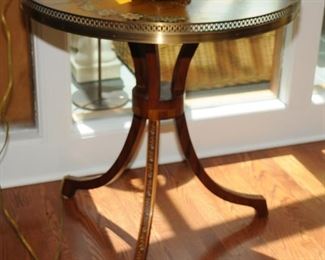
163,21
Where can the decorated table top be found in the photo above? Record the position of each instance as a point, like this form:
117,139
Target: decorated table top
163,21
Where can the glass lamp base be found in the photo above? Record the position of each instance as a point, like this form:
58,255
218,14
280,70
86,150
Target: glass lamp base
87,97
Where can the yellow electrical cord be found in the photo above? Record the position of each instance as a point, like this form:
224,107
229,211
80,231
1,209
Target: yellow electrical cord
4,104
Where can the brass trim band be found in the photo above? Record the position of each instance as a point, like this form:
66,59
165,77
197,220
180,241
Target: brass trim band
150,190
159,32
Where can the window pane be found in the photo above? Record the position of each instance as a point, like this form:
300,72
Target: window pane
319,82
229,67
320,68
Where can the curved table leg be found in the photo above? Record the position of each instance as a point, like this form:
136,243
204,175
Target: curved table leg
71,184
256,201
150,190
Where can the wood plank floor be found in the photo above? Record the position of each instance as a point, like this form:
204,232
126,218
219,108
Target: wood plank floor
189,222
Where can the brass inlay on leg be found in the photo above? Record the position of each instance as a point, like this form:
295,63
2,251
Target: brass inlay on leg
150,190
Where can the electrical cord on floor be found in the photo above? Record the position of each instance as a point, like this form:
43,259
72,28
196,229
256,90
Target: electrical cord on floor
4,103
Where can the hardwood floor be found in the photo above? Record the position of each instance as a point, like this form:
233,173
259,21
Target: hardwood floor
189,221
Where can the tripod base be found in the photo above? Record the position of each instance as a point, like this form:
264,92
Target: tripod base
153,102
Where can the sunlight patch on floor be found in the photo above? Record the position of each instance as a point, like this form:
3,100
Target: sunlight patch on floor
300,173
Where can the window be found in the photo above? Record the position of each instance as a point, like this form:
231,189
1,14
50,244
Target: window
226,71
319,91
59,146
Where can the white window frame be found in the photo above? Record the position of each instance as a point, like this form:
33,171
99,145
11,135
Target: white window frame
56,148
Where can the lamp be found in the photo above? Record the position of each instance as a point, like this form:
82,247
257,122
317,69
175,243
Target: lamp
100,95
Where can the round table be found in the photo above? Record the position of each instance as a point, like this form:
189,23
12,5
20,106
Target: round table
145,24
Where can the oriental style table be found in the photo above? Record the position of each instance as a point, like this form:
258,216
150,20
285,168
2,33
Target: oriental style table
145,24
